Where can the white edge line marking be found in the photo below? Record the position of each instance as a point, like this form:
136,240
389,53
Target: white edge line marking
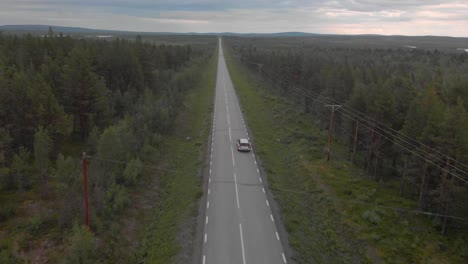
242,243
284,257
277,236
271,216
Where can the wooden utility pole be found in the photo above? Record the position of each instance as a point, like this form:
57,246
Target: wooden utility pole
85,184
333,108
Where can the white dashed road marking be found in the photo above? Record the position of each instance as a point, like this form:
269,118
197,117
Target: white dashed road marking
242,243
237,193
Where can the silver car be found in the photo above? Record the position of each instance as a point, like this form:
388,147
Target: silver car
244,145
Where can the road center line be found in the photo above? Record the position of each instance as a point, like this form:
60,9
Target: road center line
284,258
232,155
242,243
237,193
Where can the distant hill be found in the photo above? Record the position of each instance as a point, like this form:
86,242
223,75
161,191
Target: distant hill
336,40
44,29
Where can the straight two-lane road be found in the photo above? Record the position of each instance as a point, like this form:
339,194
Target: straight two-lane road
239,226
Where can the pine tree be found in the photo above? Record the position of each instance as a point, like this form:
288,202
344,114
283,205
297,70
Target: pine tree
42,151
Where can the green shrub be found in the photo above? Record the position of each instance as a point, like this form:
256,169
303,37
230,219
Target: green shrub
116,198
371,216
35,224
6,257
21,169
81,247
133,171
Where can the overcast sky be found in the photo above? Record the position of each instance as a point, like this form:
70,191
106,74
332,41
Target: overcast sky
388,17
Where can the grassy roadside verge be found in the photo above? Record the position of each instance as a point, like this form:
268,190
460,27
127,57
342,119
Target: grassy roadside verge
331,212
181,184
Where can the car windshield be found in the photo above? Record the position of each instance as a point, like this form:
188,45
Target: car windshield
244,144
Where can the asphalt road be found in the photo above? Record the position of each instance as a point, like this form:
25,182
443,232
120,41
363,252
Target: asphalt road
239,225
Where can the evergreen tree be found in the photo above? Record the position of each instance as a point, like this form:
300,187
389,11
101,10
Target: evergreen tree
42,151
21,170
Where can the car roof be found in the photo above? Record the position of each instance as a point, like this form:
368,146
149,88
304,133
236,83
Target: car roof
243,140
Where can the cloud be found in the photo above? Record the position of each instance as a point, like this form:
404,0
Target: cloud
408,17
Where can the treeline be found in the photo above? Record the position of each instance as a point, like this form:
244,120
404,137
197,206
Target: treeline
422,94
60,96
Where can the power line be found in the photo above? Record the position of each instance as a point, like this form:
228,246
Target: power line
410,151
361,116
359,141
126,162
309,93
415,153
345,107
